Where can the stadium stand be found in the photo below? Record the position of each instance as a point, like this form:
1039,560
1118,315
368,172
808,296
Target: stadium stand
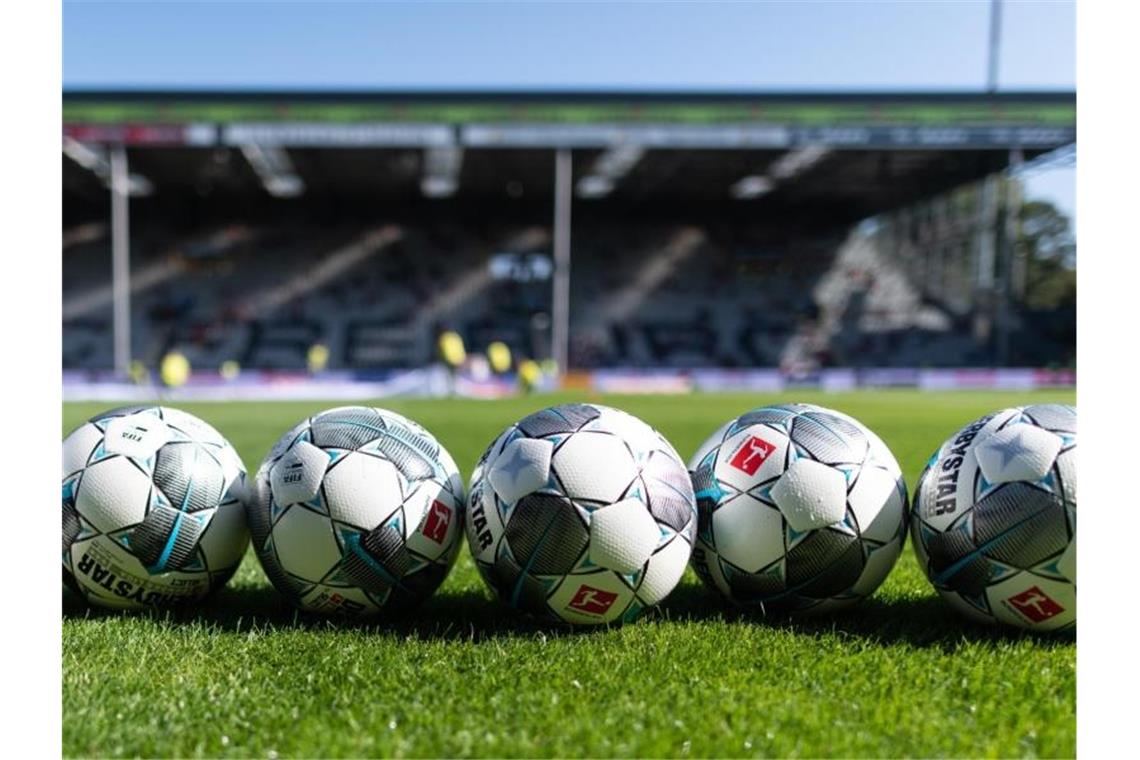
647,294
790,231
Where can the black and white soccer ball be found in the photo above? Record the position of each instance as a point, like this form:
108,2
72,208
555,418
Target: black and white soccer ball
802,509
152,510
581,513
356,510
994,520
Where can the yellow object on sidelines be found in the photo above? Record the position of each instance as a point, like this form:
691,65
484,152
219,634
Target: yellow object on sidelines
529,374
229,370
174,370
140,375
451,348
318,358
500,357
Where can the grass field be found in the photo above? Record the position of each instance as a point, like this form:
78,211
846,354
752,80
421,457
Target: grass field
245,676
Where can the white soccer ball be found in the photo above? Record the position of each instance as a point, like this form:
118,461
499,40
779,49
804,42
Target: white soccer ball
152,510
356,510
802,509
994,523
581,513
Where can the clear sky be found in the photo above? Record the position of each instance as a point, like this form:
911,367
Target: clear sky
535,45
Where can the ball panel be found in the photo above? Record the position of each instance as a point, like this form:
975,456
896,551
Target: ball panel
623,536
1029,601
1020,525
78,448
641,439
296,477
522,468
1067,564
829,439
1056,417
811,495
226,538
756,588
167,538
189,477
878,504
483,523
1017,452
594,466
193,427
305,543
663,468
751,456
546,535
329,600
517,588
362,490
879,562
591,598
669,507
748,532
1066,468
408,456
137,435
347,428
825,563
564,418
664,571
111,576
955,563
113,494
434,521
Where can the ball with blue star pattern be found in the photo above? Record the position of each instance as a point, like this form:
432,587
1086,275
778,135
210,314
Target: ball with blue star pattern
356,511
994,520
152,509
581,513
802,510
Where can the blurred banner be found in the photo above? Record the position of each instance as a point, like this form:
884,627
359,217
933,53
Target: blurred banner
433,382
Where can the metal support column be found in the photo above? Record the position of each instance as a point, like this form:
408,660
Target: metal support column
120,260
995,46
985,259
1007,236
560,323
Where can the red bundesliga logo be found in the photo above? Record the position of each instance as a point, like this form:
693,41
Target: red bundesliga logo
592,601
751,455
435,527
1035,605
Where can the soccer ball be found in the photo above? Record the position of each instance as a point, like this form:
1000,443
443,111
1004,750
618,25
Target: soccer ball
356,510
994,523
581,513
802,509
152,511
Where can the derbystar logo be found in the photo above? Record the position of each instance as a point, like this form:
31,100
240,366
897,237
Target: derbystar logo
1034,604
592,601
751,455
435,527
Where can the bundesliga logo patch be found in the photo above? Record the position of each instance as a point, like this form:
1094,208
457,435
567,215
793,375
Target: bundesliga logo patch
435,527
751,455
592,601
1035,605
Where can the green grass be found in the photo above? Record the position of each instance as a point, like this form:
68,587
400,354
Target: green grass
243,675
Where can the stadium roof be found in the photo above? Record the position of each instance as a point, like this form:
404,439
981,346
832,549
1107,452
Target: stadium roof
841,156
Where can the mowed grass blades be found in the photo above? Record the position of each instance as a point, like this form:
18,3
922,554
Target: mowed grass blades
243,675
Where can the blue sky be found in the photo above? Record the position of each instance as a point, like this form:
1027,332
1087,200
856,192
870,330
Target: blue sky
759,45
